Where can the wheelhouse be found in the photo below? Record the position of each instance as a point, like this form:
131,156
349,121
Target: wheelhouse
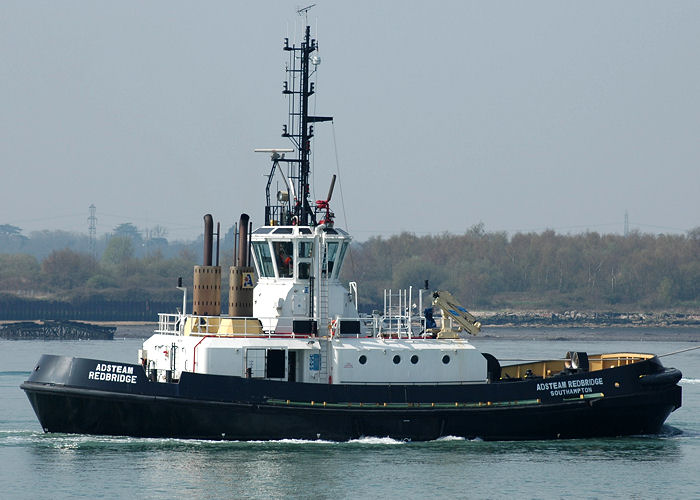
299,253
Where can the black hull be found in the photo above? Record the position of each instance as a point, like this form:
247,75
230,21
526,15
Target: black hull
231,408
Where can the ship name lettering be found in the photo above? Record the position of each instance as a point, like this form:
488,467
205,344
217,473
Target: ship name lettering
113,373
586,382
551,385
567,388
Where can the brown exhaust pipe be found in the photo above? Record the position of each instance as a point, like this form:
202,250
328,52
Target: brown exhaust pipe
208,239
243,241
242,275
206,289
218,240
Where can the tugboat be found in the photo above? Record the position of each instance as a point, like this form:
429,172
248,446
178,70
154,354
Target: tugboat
293,358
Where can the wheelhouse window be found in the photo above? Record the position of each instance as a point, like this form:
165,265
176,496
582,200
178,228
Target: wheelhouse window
339,261
304,270
335,255
305,248
304,258
331,252
263,258
284,253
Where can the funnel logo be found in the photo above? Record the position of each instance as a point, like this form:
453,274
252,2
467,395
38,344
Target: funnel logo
247,280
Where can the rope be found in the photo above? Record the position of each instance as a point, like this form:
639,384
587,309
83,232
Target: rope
531,360
342,198
678,352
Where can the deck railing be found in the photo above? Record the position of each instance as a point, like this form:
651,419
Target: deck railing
553,367
405,327
169,324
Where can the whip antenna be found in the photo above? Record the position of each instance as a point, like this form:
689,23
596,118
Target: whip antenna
304,11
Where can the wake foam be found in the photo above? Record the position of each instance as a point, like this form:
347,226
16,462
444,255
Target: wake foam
452,438
377,440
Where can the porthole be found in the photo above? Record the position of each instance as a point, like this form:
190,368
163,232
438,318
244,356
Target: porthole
363,359
397,359
414,359
445,359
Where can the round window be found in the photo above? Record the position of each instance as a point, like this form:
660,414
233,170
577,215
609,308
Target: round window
414,359
445,359
363,359
397,359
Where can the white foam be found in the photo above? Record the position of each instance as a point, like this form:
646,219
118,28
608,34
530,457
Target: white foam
451,438
14,437
376,440
293,441
690,381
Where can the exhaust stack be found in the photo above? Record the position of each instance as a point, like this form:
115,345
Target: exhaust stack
208,239
241,274
206,294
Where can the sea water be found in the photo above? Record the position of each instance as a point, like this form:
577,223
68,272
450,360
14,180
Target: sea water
37,465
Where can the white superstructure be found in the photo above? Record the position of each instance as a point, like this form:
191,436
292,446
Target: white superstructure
298,271
291,319
338,359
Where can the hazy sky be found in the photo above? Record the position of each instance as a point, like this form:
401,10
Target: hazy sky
520,115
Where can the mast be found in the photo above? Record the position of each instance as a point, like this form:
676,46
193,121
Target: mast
293,205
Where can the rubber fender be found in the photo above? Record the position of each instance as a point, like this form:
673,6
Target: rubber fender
669,376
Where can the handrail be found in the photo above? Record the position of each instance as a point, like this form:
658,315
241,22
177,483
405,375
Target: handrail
170,324
409,326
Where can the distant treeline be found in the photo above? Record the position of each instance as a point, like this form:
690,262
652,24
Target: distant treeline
145,242
133,279
72,284
535,270
484,270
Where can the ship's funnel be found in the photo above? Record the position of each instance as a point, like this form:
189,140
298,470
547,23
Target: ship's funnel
243,243
208,239
206,293
241,275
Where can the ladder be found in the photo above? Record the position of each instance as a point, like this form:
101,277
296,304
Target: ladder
323,294
324,372
323,305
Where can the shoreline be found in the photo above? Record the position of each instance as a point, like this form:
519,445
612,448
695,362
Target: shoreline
520,318
584,319
97,323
